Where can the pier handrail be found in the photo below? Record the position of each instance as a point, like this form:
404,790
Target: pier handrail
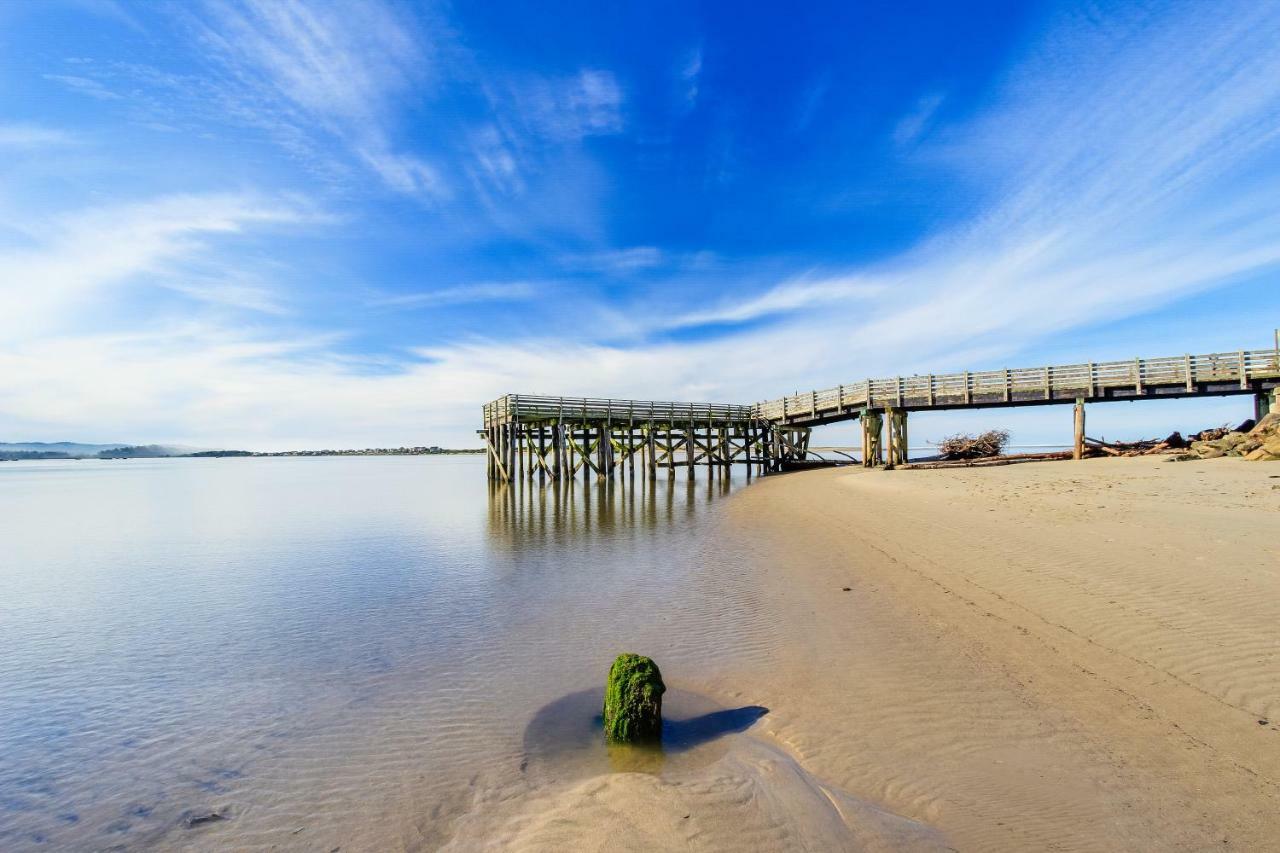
1054,381
512,407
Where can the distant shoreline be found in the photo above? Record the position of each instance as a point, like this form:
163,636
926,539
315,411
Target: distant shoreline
150,453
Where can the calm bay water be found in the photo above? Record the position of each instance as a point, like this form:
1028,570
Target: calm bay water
330,652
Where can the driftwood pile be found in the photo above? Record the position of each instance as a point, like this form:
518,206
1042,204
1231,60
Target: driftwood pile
1258,442
1255,442
988,445
990,461
982,451
1142,447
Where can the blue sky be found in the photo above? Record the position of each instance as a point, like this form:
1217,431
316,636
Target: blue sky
275,224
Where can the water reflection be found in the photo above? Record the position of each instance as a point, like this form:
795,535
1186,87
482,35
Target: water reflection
275,637
532,511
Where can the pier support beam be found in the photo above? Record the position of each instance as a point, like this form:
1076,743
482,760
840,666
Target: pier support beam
689,447
1077,448
897,419
1266,403
872,445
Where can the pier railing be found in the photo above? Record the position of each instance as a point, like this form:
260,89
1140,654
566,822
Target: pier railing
514,408
1177,374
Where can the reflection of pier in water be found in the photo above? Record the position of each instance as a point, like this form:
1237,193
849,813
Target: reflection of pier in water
557,508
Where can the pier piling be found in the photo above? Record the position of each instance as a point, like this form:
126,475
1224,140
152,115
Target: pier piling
1077,448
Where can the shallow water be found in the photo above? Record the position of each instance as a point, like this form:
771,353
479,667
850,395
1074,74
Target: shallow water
333,652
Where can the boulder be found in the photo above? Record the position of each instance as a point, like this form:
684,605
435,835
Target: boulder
633,700
1269,424
1230,441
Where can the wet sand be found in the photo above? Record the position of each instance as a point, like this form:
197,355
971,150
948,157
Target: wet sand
1055,656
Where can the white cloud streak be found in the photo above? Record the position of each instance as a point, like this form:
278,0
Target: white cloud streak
22,136
616,261
85,86
791,296
499,291
337,66
72,261
690,76
915,123
586,104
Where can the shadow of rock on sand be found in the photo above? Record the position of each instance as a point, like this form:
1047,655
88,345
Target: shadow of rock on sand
692,732
565,738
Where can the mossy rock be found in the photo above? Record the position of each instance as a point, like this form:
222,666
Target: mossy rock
633,700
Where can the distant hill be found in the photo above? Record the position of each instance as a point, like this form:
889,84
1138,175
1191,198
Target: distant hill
70,448
14,451
11,451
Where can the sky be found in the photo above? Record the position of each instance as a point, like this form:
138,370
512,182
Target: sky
288,225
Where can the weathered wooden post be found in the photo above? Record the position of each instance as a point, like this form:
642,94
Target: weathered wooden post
1266,403
632,447
651,452
633,700
689,446
722,450
872,441
889,418
1077,449
508,451
557,450
603,435
490,469
671,449
897,423
542,452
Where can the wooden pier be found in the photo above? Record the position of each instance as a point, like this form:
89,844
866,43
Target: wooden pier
564,437
560,437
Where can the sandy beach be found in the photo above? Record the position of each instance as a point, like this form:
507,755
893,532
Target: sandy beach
1053,656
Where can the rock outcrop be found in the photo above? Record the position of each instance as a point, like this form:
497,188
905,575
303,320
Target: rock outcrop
1261,443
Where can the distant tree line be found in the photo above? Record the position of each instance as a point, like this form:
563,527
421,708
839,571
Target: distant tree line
156,451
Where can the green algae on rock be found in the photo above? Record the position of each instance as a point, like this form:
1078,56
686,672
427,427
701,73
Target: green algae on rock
633,700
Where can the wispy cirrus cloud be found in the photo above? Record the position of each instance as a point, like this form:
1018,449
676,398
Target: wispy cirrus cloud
791,296
331,67
463,294
85,86
68,262
690,73
1116,162
588,103
615,261
33,136
533,120
916,122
